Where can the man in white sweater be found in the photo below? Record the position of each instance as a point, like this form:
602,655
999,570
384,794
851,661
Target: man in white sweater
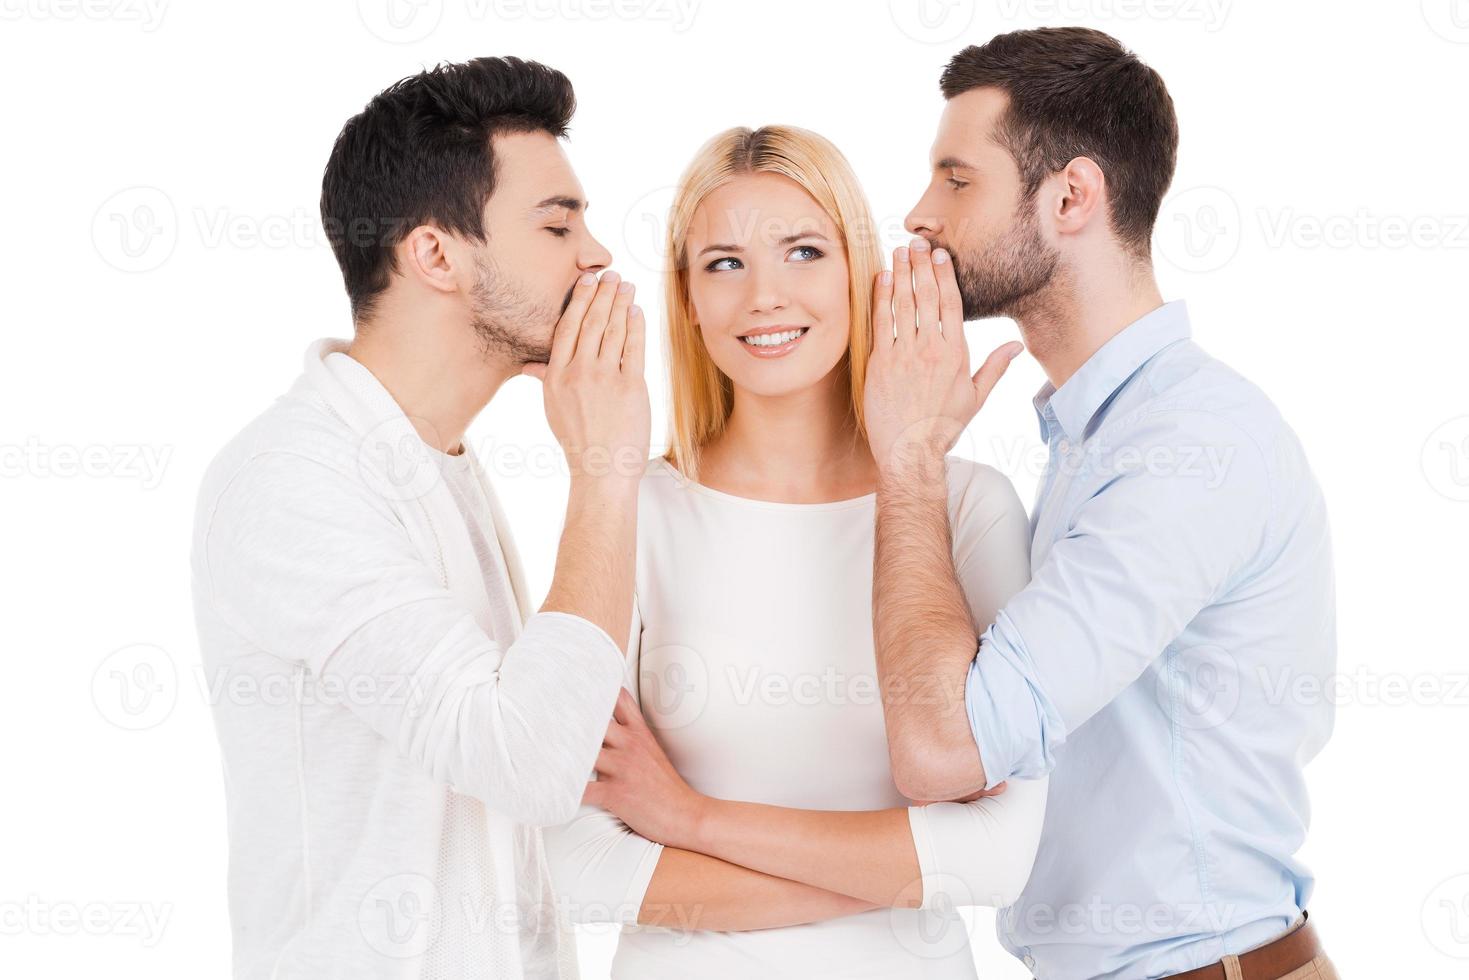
395,722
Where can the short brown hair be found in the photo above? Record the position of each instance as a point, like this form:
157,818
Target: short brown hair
1077,92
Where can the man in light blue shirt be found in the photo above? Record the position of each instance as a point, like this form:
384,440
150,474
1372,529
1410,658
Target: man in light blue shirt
1181,608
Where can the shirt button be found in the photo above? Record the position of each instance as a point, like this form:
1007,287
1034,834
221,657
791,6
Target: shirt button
1029,962
1064,446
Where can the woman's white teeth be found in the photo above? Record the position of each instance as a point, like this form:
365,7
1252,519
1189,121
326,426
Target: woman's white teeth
773,339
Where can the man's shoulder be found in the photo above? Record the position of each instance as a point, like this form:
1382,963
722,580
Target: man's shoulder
297,429
1186,388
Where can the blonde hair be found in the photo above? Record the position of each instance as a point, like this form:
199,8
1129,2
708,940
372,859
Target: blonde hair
702,395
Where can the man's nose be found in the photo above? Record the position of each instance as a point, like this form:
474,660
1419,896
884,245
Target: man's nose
594,257
919,223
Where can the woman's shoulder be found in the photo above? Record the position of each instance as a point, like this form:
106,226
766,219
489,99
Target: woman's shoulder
969,477
980,494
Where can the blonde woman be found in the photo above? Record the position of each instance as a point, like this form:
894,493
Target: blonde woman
744,822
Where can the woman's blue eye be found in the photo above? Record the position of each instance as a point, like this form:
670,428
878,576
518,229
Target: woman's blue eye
816,253
715,265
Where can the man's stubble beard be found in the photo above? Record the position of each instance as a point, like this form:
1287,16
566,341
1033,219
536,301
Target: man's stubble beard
507,321
1009,277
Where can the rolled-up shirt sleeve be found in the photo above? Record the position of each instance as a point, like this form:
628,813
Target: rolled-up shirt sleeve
600,867
981,852
1182,508
313,568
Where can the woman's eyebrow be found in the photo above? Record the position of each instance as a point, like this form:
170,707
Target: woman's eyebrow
784,241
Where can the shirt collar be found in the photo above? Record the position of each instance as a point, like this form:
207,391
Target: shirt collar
1075,403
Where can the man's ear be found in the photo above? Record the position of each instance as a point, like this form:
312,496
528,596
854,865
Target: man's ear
428,256
1083,189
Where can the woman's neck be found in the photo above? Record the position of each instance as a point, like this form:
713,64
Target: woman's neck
800,448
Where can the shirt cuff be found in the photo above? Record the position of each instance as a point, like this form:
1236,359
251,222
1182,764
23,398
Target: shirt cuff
1014,726
582,632
637,887
923,847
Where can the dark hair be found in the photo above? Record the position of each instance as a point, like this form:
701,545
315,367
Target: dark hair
1078,92
420,153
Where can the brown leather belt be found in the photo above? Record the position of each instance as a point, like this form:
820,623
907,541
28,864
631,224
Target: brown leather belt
1269,962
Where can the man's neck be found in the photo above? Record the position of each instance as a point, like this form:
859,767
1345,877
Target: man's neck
435,372
1068,323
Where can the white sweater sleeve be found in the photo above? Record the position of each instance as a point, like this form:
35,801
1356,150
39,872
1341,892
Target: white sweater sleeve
981,853
599,866
311,567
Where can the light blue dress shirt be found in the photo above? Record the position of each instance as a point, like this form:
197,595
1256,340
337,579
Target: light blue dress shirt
1168,665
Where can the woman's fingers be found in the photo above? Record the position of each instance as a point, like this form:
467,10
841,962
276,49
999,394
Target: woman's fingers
626,711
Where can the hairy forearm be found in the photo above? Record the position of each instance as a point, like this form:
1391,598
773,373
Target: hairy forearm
867,854
690,890
594,561
923,637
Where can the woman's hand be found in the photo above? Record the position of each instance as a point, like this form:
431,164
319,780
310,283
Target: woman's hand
978,795
636,781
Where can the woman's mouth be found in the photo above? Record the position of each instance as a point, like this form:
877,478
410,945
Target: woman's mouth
777,343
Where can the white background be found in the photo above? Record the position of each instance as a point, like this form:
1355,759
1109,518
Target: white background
164,271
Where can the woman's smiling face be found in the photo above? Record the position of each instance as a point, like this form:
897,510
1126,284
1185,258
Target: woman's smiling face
766,263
